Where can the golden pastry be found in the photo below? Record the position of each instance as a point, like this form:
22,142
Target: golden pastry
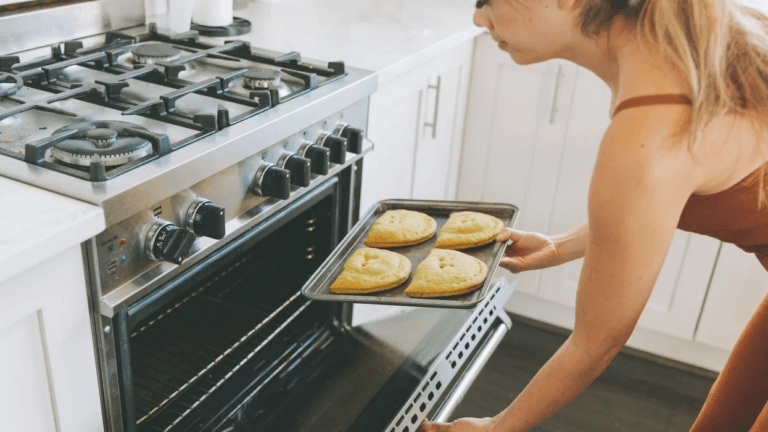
400,228
465,230
370,270
447,273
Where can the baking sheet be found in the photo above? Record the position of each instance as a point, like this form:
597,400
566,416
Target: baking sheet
317,287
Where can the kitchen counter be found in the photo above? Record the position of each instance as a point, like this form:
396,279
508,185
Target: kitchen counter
389,37
36,225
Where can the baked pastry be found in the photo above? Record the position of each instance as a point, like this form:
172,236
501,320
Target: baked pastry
466,229
447,273
400,228
370,270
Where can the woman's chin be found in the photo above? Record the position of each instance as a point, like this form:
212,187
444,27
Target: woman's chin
521,57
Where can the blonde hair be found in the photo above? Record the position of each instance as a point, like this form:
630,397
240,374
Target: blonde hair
720,47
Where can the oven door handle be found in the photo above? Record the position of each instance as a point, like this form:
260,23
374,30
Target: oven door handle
471,373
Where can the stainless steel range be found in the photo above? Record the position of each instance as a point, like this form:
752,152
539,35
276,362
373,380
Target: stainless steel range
227,174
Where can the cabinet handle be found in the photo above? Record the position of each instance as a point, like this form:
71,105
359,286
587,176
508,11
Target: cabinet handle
433,125
553,112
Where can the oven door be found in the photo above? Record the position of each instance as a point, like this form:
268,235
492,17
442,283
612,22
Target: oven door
399,370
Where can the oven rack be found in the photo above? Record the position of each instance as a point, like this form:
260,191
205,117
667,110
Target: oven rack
181,302
187,352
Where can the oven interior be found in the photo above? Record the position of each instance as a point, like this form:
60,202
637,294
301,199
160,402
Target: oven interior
234,342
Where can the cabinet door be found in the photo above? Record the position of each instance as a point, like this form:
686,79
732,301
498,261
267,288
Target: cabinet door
394,123
442,128
739,284
515,130
679,292
47,363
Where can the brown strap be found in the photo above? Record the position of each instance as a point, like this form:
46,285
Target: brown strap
666,99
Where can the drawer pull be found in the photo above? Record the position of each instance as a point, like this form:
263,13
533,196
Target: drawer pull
433,125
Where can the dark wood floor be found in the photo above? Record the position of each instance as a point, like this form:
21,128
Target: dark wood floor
633,394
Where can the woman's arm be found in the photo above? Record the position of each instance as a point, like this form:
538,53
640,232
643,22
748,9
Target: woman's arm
572,244
637,194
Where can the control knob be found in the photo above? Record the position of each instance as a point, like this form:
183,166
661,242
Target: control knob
353,136
272,181
336,144
206,219
319,157
299,167
167,242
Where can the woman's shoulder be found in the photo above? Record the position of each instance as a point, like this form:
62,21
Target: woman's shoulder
659,129
649,147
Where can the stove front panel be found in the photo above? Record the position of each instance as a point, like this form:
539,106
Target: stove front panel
126,272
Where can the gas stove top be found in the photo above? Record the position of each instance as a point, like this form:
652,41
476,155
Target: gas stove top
96,112
127,118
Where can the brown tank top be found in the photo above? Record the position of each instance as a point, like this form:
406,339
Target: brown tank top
733,215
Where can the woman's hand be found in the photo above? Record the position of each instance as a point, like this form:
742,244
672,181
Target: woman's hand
528,251
460,425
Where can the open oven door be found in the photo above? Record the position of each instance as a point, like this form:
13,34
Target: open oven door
399,370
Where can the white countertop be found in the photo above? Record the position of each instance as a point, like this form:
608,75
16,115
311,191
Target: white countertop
387,36
36,224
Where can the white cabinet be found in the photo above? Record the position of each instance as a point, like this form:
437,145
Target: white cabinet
739,284
439,145
416,121
394,121
516,126
47,364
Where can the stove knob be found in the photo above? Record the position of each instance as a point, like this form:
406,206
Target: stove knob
336,144
353,136
206,219
167,242
299,168
272,181
319,157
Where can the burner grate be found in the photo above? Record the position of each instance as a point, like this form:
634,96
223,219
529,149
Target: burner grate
44,104
95,75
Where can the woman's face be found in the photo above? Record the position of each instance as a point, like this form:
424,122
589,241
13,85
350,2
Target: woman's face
531,31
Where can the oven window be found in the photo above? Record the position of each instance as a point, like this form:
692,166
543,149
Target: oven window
233,337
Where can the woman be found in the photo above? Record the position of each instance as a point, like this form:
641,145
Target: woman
686,149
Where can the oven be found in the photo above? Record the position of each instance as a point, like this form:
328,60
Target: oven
228,343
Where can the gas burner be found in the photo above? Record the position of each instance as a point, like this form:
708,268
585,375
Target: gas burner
257,78
108,139
238,27
149,53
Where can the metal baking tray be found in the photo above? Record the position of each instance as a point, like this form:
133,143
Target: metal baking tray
317,287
